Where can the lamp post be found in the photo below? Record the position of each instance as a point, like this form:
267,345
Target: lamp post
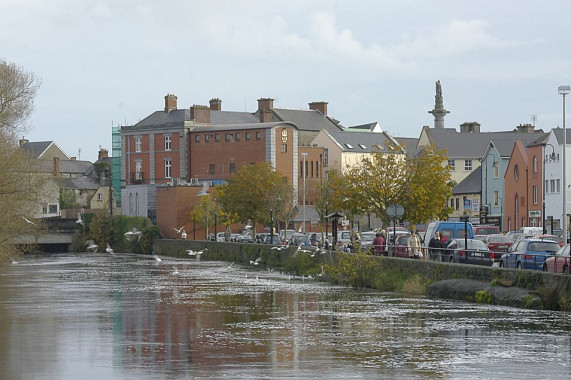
493,164
564,90
304,155
551,157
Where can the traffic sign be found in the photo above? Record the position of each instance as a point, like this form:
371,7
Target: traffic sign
394,211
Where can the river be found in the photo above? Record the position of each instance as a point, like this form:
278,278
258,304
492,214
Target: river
101,316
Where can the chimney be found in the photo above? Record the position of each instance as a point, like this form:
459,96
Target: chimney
470,127
266,115
23,141
103,153
170,102
215,104
265,103
56,167
200,114
319,106
525,128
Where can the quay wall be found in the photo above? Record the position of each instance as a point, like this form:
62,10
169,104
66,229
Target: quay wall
494,285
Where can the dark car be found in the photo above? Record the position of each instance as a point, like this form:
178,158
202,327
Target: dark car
560,263
498,243
468,251
528,254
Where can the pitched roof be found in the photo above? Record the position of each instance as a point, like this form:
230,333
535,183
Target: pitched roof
364,142
80,183
307,120
409,144
75,167
180,116
37,148
229,127
472,184
470,145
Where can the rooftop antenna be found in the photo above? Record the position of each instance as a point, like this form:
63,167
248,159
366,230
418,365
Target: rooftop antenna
533,120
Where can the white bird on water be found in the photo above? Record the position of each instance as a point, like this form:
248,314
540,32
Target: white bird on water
230,266
92,247
133,232
158,259
109,249
175,272
256,262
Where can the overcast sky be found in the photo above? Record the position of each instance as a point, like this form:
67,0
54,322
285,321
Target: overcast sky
104,63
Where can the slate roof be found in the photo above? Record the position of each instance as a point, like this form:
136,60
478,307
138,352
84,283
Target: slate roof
472,184
178,117
80,183
75,167
409,144
470,145
559,135
307,120
363,142
37,148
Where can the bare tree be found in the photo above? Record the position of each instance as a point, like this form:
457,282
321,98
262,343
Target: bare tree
17,92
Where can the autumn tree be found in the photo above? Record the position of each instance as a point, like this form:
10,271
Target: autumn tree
20,182
419,184
252,192
207,212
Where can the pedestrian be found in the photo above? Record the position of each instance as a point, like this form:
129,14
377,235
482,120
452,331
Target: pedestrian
414,246
435,246
385,250
378,244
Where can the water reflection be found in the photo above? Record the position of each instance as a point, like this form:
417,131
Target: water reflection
95,316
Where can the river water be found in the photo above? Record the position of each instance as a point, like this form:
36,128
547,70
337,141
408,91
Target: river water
98,316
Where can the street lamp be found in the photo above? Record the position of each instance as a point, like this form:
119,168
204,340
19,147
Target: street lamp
564,90
494,164
552,158
304,155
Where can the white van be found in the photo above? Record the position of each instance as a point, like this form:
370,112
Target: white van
531,230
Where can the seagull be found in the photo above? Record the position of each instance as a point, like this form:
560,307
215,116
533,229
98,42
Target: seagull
204,190
183,234
299,249
28,221
201,251
230,266
133,232
158,259
79,221
279,247
256,262
109,249
175,272
190,252
92,247
179,230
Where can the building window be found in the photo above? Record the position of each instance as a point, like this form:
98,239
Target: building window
206,138
496,170
138,170
212,169
317,169
496,198
196,138
457,203
452,202
468,165
552,186
516,173
325,156
232,167
217,137
237,137
167,142
311,169
137,144
248,136
168,167
258,135
53,209
535,164
546,186
284,148
557,187
534,194
99,197
228,137
452,164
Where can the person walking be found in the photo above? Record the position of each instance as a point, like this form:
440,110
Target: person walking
378,244
414,246
435,246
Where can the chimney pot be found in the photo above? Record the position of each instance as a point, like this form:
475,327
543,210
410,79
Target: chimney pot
319,106
215,104
265,103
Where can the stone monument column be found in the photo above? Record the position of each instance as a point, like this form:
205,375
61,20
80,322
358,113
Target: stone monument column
439,112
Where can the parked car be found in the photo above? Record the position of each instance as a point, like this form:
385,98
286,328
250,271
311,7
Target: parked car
528,254
560,263
298,239
468,251
554,238
514,235
498,243
343,237
244,239
367,240
220,236
486,230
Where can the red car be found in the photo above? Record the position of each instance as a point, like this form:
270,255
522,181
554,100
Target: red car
498,243
560,263
401,246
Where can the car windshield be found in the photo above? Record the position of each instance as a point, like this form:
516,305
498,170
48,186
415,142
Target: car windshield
367,236
543,246
498,239
563,251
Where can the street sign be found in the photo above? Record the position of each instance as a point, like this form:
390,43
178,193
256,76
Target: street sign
394,211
